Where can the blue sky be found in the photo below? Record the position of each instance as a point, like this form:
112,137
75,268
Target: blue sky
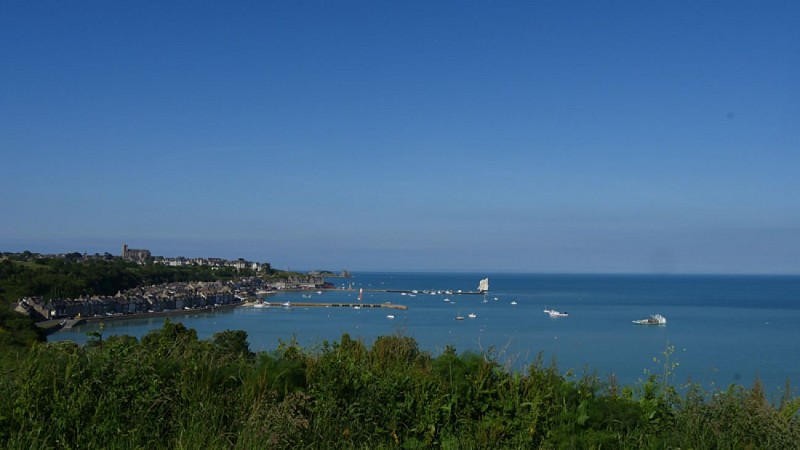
603,137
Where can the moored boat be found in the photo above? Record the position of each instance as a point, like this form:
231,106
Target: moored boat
655,319
554,313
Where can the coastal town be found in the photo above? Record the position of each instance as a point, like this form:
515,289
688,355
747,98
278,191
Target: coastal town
168,298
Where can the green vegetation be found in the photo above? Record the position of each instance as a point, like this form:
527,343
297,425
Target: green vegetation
26,274
172,390
18,330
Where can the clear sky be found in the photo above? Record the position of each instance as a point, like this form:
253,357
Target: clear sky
530,136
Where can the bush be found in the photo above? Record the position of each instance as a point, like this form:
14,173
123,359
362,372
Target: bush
172,390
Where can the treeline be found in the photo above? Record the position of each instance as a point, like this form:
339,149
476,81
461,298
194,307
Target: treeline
18,331
72,276
172,390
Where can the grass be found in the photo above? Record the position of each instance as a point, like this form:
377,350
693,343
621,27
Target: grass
172,390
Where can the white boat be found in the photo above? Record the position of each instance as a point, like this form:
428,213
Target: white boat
554,313
390,316
513,302
472,315
306,295
459,317
655,319
261,305
286,304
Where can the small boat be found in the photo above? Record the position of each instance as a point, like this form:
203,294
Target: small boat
655,319
261,305
459,317
306,295
472,315
390,316
513,302
286,304
554,313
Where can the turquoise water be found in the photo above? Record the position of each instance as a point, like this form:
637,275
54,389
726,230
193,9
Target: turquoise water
724,329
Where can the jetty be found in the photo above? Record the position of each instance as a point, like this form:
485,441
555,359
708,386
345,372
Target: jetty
483,288
339,305
425,291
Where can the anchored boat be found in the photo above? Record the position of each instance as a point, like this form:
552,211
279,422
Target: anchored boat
554,313
655,319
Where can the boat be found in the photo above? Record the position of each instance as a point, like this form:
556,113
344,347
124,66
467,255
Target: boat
390,316
306,295
513,302
286,304
459,317
472,315
554,313
655,319
261,305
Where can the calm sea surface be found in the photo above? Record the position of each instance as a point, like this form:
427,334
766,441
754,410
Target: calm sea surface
724,329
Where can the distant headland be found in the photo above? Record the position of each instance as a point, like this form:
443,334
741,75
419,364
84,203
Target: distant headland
72,286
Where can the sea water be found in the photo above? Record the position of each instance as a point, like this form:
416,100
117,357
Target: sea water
720,330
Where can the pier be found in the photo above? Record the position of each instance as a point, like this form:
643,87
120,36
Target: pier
424,292
338,305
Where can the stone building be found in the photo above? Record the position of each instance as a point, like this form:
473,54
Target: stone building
134,254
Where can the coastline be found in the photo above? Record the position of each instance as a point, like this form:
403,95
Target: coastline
54,325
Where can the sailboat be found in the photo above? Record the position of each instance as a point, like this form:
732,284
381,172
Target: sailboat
360,296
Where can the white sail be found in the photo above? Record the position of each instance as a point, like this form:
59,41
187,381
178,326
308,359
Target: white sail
483,286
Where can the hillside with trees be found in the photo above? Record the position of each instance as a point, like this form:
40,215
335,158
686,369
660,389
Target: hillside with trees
27,274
